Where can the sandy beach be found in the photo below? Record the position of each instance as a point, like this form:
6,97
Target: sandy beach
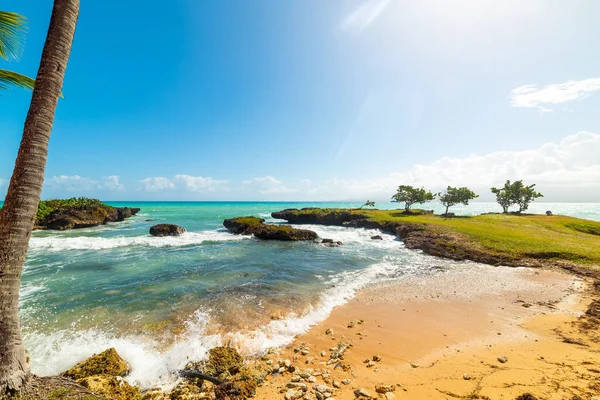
478,332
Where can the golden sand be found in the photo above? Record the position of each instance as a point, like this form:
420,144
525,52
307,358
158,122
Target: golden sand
441,337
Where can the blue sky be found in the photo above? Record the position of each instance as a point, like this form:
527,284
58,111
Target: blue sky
315,100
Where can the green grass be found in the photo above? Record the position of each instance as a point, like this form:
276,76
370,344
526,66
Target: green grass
46,207
535,236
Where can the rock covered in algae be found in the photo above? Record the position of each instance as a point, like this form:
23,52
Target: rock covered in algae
108,362
113,387
222,362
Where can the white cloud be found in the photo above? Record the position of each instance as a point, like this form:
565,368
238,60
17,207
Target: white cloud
77,184
183,182
363,16
564,171
268,186
530,96
3,181
157,183
112,183
200,184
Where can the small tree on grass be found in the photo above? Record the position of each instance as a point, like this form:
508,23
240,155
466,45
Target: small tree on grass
453,196
516,193
524,195
410,195
368,203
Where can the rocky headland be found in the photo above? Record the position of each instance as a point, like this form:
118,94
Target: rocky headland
79,213
495,239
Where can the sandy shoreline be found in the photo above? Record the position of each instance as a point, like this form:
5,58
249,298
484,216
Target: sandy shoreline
441,337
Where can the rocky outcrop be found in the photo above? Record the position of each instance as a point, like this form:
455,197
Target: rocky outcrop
257,227
108,362
103,374
167,230
74,218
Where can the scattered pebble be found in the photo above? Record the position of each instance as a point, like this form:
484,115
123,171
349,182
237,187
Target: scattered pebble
362,393
503,359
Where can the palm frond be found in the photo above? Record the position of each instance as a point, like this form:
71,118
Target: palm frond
9,78
12,34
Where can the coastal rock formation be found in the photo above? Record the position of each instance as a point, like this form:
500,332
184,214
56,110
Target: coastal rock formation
74,218
257,227
106,363
167,230
432,240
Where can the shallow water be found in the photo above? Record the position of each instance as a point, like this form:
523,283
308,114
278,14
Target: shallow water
164,301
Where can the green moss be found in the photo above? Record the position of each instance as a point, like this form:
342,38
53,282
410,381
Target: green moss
46,207
251,221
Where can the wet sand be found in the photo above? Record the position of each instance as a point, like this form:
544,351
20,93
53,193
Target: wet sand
441,337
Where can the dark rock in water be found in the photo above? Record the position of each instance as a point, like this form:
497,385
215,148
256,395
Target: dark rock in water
75,218
549,213
376,237
149,220
166,230
257,227
331,243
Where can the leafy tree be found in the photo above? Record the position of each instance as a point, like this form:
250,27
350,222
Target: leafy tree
369,203
515,193
524,195
12,31
453,196
20,206
504,196
410,195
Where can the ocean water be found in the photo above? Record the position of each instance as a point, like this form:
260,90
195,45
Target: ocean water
165,301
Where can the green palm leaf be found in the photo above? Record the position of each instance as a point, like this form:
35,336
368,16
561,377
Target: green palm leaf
12,78
12,33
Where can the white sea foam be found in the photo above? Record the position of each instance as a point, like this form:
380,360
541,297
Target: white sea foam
150,367
57,243
354,236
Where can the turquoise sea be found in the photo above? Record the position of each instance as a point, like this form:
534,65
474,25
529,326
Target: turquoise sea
164,301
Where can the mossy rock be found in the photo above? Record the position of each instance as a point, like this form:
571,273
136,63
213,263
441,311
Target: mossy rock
257,227
113,387
250,377
223,360
108,362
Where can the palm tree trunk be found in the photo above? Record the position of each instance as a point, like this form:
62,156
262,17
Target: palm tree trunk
20,207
